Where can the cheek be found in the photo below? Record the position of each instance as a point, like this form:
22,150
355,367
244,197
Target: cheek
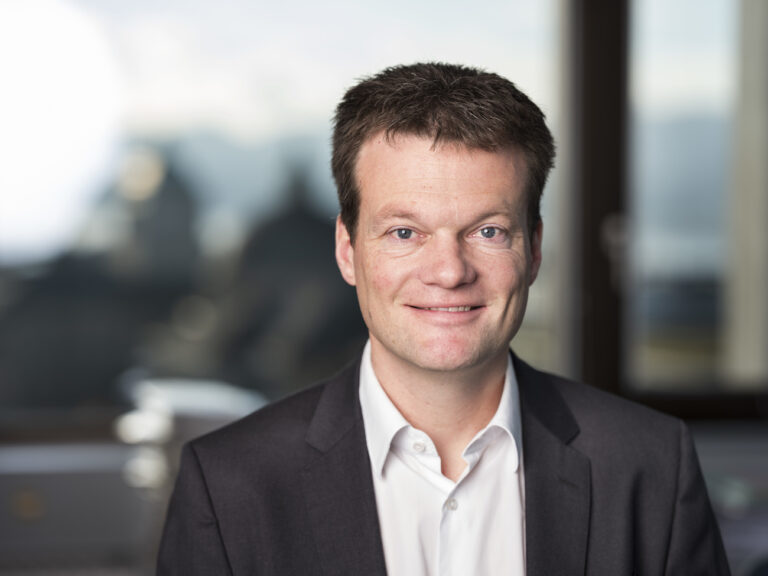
509,281
381,279
509,270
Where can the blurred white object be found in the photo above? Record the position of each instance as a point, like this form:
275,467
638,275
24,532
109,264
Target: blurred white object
176,410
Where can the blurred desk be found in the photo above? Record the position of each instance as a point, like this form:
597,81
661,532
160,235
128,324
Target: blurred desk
78,506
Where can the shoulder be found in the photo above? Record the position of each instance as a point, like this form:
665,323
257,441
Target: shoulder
609,411
600,421
278,431
279,421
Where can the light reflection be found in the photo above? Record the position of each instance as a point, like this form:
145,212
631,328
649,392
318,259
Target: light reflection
141,174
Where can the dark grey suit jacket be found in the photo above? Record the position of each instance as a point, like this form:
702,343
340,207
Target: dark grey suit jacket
611,488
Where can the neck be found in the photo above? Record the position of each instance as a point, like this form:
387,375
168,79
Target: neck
451,407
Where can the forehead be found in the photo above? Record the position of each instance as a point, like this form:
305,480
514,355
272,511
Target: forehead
418,169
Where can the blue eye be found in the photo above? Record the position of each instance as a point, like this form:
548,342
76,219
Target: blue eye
403,233
489,232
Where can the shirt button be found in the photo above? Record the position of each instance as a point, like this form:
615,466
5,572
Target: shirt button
451,504
419,446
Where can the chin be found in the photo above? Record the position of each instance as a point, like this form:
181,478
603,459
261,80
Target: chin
451,358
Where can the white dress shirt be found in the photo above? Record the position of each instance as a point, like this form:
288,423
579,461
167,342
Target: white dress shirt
430,525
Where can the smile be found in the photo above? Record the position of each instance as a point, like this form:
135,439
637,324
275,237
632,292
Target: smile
448,309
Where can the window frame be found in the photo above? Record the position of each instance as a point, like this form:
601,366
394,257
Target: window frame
598,42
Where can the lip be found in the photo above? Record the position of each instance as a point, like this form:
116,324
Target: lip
448,308
447,314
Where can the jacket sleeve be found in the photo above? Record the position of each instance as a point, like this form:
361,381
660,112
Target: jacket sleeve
695,547
191,543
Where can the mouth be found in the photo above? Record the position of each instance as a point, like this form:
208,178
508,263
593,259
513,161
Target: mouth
446,308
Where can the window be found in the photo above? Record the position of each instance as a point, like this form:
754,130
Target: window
697,318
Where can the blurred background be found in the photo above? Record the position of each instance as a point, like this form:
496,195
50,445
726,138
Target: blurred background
166,233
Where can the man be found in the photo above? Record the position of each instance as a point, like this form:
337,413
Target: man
438,451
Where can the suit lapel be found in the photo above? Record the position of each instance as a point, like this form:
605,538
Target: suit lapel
338,487
557,480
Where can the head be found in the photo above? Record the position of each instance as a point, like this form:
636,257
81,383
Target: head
448,104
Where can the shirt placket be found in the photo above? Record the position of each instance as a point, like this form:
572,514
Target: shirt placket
454,541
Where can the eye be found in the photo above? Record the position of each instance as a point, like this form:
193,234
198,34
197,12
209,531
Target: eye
492,235
402,233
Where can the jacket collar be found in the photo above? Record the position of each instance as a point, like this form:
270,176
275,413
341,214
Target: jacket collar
338,486
557,479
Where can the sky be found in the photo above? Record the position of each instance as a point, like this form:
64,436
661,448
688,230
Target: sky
81,77
256,68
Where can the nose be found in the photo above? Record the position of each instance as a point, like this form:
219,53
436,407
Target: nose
447,263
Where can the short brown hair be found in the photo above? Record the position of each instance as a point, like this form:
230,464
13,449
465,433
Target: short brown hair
445,102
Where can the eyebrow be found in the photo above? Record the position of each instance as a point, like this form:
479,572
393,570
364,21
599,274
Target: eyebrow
398,213
392,212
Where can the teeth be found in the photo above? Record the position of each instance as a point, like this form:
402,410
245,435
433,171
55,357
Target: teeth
452,309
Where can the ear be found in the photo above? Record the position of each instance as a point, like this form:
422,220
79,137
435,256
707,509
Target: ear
536,239
345,252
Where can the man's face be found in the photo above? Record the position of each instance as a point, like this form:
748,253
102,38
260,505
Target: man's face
443,257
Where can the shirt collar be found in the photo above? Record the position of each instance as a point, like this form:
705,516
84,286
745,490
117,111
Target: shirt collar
507,415
382,420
